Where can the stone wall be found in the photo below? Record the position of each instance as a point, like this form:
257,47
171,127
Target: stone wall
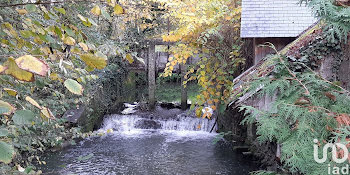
328,67
344,70
265,153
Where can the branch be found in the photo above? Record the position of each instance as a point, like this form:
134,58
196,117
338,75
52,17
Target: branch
343,3
324,78
66,1
18,55
317,107
36,3
307,92
268,44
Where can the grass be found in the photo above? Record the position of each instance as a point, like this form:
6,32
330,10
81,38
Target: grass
171,92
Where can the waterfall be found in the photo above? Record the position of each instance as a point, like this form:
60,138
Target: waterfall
134,123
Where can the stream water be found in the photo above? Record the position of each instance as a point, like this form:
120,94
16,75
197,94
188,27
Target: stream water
150,147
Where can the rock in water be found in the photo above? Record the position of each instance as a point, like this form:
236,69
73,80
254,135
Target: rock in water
148,124
74,115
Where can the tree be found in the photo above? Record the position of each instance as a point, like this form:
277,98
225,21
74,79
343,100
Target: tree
208,30
48,56
334,14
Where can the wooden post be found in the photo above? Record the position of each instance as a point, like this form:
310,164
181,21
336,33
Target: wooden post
250,134
255,52
151,76
183,69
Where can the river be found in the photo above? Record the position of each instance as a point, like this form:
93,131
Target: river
178,146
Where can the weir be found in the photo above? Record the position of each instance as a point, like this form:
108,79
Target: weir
130,123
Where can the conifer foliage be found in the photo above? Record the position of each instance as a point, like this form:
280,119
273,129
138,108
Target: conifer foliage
306,107
335,14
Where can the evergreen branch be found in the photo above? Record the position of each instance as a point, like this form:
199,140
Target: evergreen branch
313,107
307,92
268,44
331,83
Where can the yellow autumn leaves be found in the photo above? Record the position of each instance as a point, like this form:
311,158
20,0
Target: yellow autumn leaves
117,9
7,109
33,65
24,68
45,112
198,34
69,41
96,10
94,60
181,53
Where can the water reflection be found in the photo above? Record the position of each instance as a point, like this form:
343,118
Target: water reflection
178,147
151,153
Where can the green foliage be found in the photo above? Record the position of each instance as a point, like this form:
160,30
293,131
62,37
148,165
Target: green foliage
73,86
24,117
112,80
53,57
171,92
3,132
6,152
336,17
221,136
6,108
173,78
316,51
45,59
305,107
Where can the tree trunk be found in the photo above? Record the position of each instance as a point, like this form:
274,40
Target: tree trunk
151,76
117,28
183,69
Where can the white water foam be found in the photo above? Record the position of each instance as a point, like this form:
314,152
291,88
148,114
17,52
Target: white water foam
179,127
130,108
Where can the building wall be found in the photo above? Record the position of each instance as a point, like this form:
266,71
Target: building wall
327,67
262,51
161,61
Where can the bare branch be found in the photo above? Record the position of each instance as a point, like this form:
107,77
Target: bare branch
35,3
67,1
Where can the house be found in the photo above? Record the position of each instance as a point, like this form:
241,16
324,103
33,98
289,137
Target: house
291,34
278,22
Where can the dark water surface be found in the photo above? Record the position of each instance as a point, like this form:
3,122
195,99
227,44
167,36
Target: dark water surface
148,152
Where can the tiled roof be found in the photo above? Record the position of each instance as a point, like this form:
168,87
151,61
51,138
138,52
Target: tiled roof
265,66
274,18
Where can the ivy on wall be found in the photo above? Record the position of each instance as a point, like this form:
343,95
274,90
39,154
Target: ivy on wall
314,53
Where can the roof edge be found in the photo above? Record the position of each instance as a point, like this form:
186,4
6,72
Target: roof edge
265,68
